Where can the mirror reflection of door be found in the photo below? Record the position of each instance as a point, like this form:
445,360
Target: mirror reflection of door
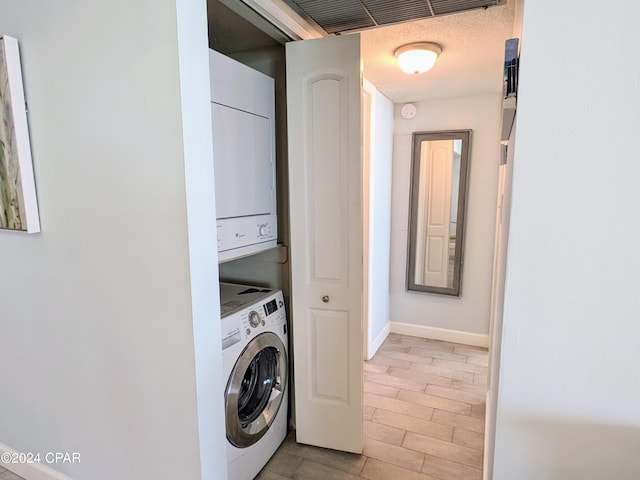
432,242
440,163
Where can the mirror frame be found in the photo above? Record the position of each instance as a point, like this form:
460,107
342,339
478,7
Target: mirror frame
418,138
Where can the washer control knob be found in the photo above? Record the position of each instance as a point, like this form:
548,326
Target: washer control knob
254,319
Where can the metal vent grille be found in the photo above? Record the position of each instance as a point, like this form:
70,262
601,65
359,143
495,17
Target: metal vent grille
337,16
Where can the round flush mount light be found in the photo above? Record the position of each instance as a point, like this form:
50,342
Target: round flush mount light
417,57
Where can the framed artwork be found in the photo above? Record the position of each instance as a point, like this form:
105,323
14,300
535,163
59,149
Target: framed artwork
18,203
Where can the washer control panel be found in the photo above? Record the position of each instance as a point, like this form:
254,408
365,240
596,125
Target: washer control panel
253,319
266,314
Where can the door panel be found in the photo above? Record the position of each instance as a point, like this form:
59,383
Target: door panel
325,192
329,343
328,225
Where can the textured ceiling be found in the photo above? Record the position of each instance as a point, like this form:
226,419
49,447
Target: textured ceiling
471,62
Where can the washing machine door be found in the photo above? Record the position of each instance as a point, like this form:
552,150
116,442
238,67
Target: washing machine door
255,389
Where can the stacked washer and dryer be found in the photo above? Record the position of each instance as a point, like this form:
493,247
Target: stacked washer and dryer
254,323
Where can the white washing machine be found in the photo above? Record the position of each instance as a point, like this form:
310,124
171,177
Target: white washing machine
255,364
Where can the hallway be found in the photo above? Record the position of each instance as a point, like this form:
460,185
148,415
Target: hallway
424,407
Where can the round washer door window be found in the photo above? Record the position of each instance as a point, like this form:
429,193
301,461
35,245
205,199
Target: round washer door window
255,389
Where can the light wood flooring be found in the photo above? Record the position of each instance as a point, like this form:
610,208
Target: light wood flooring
7,475
424,408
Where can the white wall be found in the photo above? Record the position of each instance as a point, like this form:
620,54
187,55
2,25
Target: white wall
470,312
569,388
503,216
379,186
97,319
195,97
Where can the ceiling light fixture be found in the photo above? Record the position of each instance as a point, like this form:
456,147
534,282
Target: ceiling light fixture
417,57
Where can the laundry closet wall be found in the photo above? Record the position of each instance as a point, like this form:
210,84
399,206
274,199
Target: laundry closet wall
99,311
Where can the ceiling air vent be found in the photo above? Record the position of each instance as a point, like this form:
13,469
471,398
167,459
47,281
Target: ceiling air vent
337,16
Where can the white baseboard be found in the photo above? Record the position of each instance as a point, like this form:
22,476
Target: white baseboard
434,333
375,345
29,471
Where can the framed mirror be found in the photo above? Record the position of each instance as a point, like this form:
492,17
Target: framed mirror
440,165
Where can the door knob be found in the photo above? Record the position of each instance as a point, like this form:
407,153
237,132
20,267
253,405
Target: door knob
325,298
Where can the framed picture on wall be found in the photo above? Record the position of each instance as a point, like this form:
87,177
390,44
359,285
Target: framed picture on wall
18,202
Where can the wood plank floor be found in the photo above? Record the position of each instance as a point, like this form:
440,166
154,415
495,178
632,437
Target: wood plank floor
7,475
424,408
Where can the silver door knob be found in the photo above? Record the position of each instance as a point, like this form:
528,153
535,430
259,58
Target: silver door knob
325,298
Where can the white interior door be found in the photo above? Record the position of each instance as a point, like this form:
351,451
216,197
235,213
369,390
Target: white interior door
435,200
503,216
325,188
367,103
